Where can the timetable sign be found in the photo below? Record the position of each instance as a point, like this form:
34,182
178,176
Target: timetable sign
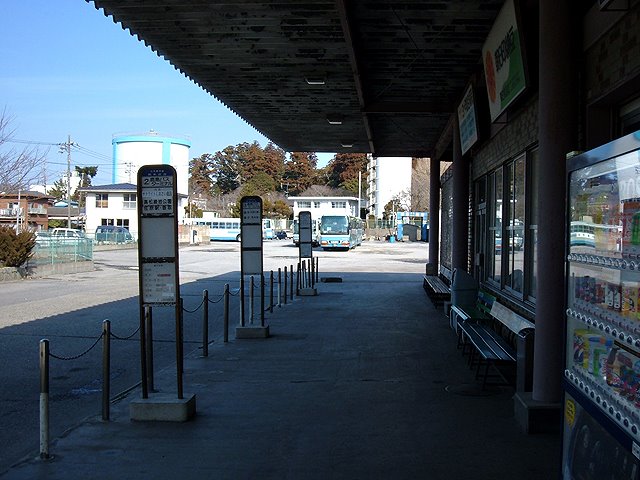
157,187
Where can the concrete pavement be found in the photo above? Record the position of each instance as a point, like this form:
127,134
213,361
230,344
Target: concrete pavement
363,381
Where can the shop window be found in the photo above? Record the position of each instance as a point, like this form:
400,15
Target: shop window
494,242
511,233
515,215
531,251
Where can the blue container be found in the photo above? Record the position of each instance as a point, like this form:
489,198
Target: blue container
392,239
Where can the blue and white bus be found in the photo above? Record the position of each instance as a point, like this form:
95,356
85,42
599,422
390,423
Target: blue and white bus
315,232
267,229
229,228
219,228
340,231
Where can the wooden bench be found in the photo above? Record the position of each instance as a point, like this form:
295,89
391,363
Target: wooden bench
493,338
437,289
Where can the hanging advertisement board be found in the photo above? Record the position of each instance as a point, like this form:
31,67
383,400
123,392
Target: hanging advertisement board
467,120
504,61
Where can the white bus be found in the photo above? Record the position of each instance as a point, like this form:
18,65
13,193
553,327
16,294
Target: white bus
229,228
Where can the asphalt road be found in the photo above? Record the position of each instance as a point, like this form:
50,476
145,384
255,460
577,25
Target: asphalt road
68,310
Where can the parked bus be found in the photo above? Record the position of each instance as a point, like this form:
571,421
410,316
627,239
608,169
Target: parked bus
229,228
267,229
315,232
219,228
340,231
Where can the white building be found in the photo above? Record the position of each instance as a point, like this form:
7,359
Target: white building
388,176
111,205
319,206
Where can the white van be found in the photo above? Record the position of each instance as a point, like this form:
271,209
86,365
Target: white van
70,233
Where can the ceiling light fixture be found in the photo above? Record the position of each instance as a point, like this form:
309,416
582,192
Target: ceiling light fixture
346,144
334,119
314,80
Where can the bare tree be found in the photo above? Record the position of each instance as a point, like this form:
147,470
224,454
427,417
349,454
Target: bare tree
19,168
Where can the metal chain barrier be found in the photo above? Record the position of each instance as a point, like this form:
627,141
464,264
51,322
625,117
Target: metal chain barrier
194,310
75,357
127,337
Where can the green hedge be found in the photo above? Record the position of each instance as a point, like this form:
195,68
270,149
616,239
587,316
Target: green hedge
15,249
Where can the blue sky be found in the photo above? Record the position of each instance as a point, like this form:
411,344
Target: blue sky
66,69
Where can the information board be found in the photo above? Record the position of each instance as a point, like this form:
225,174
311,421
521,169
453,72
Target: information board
158,235
251,235
305,245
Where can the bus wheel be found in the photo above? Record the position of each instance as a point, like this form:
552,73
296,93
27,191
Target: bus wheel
238,238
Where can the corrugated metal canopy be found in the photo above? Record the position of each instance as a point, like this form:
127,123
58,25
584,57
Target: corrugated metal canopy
393,72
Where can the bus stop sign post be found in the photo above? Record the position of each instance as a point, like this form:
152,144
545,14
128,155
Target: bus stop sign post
159,285
251,261
305,250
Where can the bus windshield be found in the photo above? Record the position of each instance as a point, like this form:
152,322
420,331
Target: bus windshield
334,225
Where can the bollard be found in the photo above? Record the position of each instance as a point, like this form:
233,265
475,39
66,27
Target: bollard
291,289
279,286
313,273
285,285
106,368
298,280
262,299
271,293
225,312
317,269
251,286
205,323
44,399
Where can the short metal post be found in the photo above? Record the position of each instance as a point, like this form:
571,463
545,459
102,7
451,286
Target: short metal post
44,399
317,269
106,368
262,299
285,285
271,292
309,273
313,273
298,281
225,312
205,323
251,286
279,286
149,346
291,289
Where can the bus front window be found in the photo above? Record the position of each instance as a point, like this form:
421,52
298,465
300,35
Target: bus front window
334,225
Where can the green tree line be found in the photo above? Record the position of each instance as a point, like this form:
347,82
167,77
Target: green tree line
269,172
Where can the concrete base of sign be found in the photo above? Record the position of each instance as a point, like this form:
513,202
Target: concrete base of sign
163,407
308,292
252,332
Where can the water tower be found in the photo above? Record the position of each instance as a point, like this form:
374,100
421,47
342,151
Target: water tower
132,151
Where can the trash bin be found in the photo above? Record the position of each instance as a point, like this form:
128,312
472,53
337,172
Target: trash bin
464,289
392,238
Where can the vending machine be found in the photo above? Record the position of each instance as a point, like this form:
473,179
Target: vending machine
601,437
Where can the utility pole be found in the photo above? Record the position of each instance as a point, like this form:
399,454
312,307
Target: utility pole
67,147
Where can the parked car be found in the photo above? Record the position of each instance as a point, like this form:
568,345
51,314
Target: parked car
281,235
112,234
67,233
